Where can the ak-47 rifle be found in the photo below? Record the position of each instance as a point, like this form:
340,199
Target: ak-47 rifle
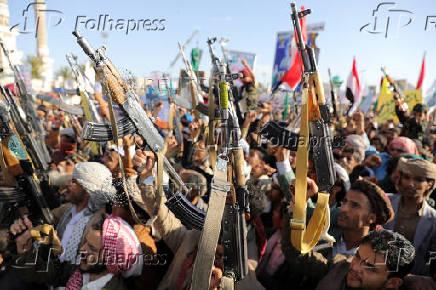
319,114
233,91
88,104
194,84
29,105
123,95
89,109
315,117
176,116
333,95
30,174
397,93
227,206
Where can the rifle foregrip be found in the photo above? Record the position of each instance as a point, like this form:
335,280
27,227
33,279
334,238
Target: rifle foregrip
239,167
116,90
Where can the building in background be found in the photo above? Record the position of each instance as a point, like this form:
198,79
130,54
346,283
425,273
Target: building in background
10,42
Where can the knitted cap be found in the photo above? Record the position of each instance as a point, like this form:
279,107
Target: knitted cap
96,179
380,203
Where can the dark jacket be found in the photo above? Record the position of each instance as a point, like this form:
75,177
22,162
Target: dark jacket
313,270
411,128
40,267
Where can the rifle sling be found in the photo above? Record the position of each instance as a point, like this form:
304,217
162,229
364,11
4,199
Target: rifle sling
305,238
113,120
169,134
212,227
211,147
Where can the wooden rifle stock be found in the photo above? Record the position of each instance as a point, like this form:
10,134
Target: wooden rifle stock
315,98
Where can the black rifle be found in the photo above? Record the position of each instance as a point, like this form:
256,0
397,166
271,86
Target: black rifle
126,98
333,96
29,106
33,173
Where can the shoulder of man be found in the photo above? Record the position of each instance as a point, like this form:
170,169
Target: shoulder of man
117,282
429,211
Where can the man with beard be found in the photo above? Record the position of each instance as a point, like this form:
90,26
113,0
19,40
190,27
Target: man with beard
382,261
110,253
414,218
364,207
87,193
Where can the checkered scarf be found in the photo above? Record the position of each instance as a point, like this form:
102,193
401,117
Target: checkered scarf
120,249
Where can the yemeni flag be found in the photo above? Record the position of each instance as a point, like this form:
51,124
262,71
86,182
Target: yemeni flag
421,75
354,91
293,76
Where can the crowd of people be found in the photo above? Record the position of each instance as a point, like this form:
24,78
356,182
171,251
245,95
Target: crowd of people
112,228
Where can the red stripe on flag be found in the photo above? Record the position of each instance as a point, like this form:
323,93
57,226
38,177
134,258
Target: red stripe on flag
293,76
421,75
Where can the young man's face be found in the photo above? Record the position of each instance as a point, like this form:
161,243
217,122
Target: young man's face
419,116
413,185
355,211
368,270
91,254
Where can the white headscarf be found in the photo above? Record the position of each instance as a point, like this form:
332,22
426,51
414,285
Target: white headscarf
96,179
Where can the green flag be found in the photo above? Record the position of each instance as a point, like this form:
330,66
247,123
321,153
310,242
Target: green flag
195,58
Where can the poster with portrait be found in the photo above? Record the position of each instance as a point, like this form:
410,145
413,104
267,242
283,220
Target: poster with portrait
234,58
284,53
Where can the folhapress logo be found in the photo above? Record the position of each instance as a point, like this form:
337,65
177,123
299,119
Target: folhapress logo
106,23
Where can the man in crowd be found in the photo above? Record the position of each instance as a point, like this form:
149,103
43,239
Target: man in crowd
414,218
87,193
110,253
382,261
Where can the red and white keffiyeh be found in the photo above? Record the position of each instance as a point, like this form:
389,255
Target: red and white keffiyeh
120,247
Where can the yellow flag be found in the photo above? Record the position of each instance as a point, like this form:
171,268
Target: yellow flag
385,87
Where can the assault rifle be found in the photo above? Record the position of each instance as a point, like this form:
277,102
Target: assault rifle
233,226
333,96
394,87
88,104
194,84
29,105
123,95
89,109
31,172
234,96
319,114
176,120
